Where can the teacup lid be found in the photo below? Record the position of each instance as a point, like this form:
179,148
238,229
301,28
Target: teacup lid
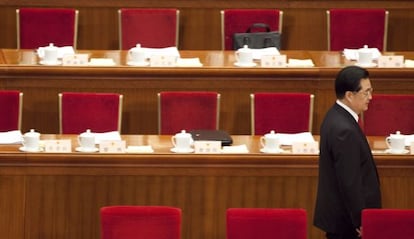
51,47
364,49
183,133
32,133
272,134
397,135
87,133
137,48
245,48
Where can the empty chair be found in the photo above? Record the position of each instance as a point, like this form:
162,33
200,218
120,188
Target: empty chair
387,223
282,112
148,27
239,20
266,223
388,113
37,27
99,112
11,102
354,28
187,110
149,222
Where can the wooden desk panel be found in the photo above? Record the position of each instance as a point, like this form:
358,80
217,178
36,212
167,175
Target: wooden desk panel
59,195
41,85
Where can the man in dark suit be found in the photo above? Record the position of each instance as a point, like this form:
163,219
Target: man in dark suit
348,179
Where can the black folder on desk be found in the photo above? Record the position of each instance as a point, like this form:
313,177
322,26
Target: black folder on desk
214,135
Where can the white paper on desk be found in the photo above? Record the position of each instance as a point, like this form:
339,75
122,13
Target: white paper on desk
409,63
235,149
300,63
352,54
166,51
64,50
101,62
11,137
288,139
107,136
258,53
189,62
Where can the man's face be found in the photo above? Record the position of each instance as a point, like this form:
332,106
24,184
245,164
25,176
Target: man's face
361,99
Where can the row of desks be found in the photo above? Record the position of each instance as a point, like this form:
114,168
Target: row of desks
58,195
19,69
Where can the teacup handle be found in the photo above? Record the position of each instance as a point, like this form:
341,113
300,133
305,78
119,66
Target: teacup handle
173,141
262,141
387,142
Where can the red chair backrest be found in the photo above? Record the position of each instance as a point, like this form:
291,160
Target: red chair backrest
10,110
41,26
182,110
150,27
239,20
99,112
388,113
266,223
281,112
149,222
354,28
387,223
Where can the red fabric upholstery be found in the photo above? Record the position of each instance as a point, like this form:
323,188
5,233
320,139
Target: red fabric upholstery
239,20
10,110
149,27
187,110
387,114
387,223
282,112
41,26
266,223
99,112
132,222
354,28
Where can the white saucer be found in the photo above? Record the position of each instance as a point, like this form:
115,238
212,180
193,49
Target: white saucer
131,63
176,150
50,63
366,65
245,65
86,150
271,151
390,151
24,149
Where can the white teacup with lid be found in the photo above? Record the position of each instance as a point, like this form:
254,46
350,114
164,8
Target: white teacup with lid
365,56
270,142
31,141
137,55
86,141
50,54
182,141
244,56
396,142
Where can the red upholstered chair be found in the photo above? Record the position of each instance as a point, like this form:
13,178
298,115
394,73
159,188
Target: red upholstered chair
150,27
387,114
387,223
149,222
239,20
37,27
11,103
187,110
282,112
354,28
266,223
99,112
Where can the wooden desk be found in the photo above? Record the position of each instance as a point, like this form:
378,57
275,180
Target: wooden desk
53,196
41,85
